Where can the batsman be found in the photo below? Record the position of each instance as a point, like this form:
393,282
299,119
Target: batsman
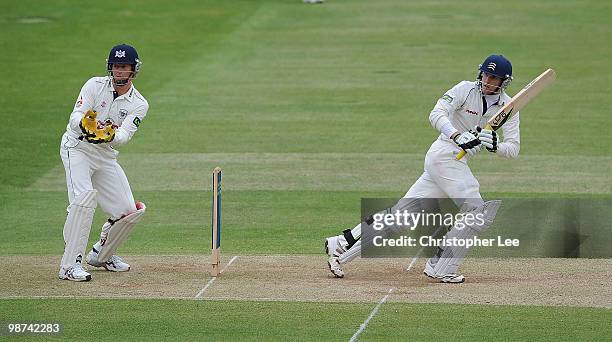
107,114
458,115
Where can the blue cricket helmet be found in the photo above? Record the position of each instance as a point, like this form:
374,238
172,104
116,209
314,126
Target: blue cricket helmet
498,66
123,54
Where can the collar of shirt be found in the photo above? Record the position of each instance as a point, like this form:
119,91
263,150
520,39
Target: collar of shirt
128,95
495,99
492,99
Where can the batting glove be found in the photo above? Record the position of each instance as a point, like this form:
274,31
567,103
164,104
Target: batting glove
469,142
488,138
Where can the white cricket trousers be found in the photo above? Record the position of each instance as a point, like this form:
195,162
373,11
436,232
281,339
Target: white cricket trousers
446,177
90,166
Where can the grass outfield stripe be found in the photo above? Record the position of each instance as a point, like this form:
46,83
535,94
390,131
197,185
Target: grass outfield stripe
493,323
348,172
257,321
363,326
256,222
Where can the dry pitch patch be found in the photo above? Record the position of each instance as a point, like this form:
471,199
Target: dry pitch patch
348,172
521,281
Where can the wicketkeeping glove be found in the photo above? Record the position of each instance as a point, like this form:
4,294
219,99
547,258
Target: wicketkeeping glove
102,135
469,142
96,133
488,138
89,124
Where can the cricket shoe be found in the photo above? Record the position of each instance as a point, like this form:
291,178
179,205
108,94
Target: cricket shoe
113,264
451,278
429,270
313,1
333,263
335,267
74,273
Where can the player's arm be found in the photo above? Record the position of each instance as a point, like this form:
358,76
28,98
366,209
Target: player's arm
511,144
440,114
440,119
129,126
84,103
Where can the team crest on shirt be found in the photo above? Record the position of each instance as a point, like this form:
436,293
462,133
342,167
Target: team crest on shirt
103,104
122,113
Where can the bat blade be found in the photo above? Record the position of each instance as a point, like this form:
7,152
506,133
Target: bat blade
530,91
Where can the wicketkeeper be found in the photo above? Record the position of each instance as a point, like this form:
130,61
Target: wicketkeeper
107,113
458,116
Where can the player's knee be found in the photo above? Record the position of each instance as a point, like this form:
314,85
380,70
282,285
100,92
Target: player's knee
123,212
85,199
469,204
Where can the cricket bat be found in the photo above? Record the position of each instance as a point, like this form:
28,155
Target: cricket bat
522,98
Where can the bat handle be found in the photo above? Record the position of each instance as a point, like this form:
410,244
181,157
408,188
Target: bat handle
462,153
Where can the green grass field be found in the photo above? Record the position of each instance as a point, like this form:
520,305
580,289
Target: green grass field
307,109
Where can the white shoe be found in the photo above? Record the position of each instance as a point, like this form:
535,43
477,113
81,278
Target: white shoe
335,267
429,270
451,278
333,263
74,273
114,263
313,1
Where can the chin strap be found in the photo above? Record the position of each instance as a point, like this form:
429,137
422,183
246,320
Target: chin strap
121,82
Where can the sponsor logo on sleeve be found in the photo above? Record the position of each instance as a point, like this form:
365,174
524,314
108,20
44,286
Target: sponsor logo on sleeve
447,98
136,121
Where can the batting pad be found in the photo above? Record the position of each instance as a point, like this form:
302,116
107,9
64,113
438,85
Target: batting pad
452,257
351,254
365,241
77,227
118,233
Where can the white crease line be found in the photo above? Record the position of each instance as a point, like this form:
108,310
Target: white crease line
212,280
414,259
365,324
